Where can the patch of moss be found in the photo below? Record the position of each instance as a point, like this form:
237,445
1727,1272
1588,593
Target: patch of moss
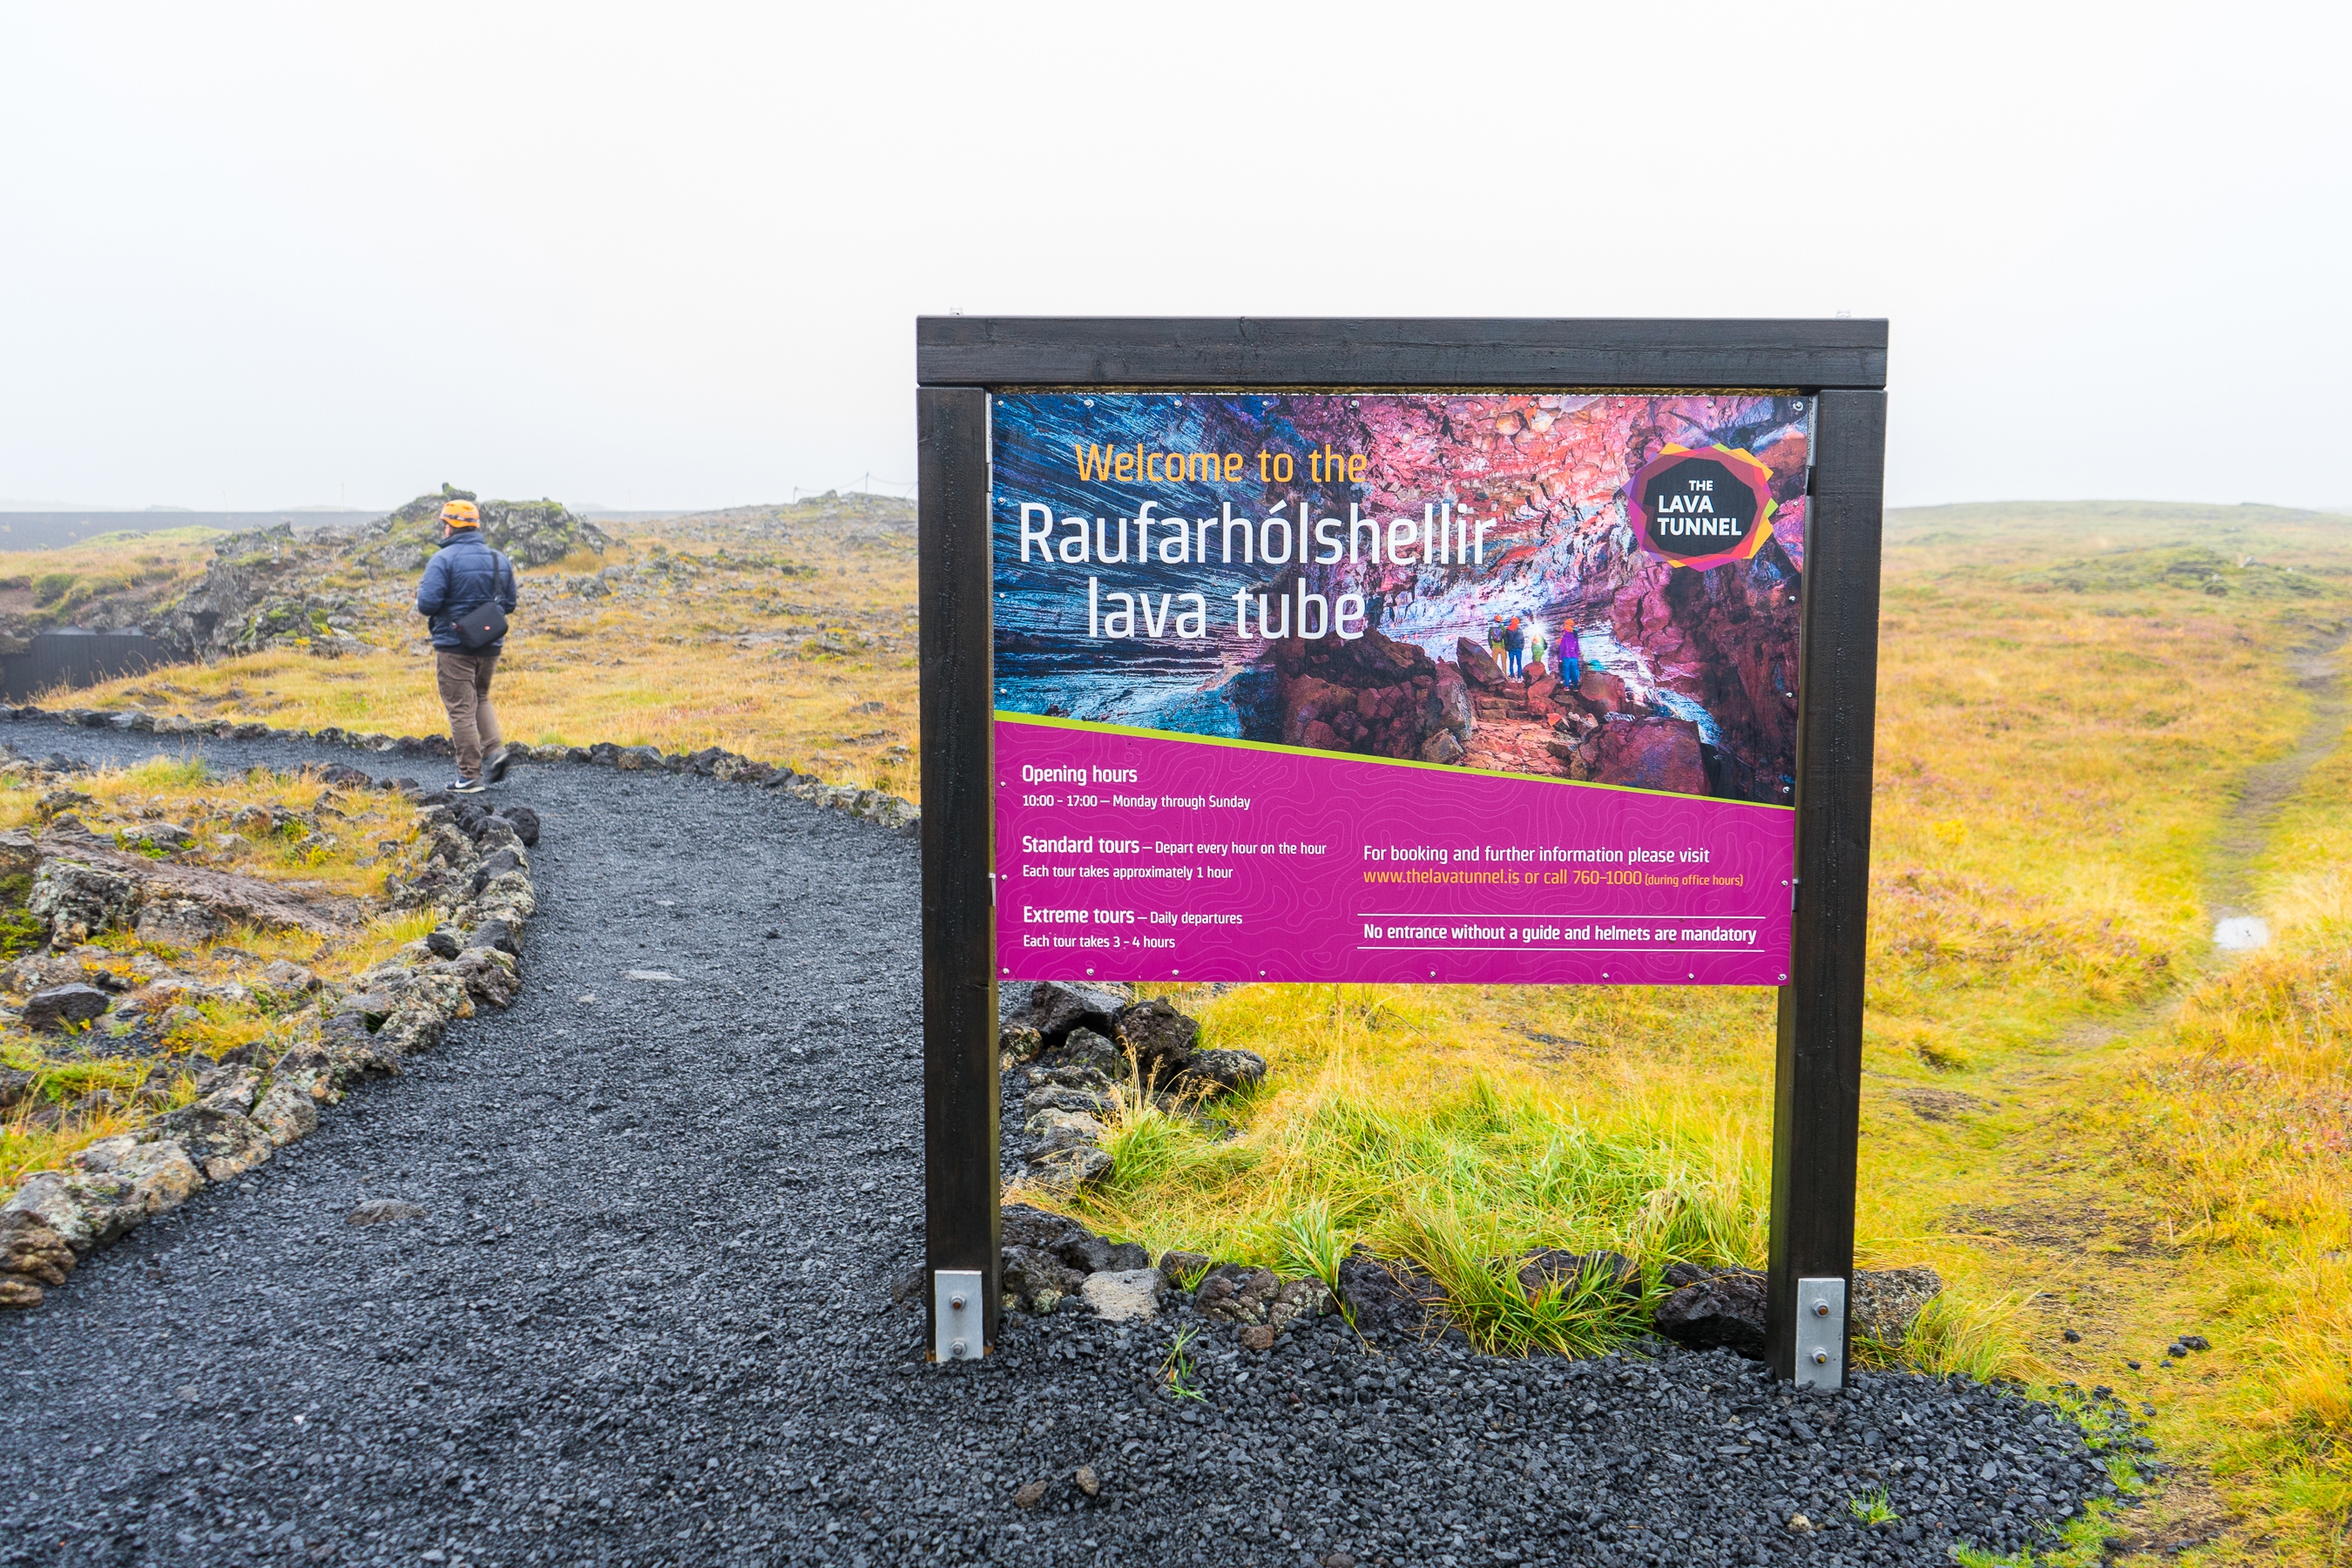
21,931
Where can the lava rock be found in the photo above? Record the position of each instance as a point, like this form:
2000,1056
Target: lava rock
79,901
1714,1309
19,854
53,1009
496,935
493,865
1159,1038
30,1250
1055,1009
383,1211
285,1113
1034,1281
1222,1071
288,979
1073,1167
1176,1266
222,1142
1297,1299
525,823
1058,1097
1060,1131
116,1183
1080,1075
1551,1267
1236,1293
1084,1050
1075,1246
1367,694
181,923
164,837
1388,1300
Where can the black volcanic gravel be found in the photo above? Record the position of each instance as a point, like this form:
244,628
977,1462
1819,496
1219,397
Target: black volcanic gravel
646,1317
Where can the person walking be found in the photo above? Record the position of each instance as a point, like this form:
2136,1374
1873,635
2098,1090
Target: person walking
1536,646
463,586
1514,644
1572,655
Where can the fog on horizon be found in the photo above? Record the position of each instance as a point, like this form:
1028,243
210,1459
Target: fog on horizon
263,256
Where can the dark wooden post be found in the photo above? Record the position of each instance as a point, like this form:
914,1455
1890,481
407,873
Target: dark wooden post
961,1225
1817,1091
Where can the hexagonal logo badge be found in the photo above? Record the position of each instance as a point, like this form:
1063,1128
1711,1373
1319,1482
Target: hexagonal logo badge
1701,506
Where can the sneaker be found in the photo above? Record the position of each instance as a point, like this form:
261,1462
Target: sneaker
465,786
494,766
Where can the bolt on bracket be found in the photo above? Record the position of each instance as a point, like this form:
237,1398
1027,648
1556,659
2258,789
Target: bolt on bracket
1821,1333
957,1312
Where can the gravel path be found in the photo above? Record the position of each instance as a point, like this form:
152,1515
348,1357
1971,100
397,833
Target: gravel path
647,1317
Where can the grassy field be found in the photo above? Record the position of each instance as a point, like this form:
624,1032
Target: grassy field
110,579
2100,724
785,634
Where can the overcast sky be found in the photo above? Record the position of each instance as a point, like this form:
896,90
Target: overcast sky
672,255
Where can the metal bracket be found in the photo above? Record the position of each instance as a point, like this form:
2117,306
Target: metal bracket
1821,1333
958,1310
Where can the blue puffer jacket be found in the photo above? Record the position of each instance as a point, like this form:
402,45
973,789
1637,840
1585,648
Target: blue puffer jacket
466,572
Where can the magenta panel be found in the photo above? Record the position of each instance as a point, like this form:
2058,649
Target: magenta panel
1133,856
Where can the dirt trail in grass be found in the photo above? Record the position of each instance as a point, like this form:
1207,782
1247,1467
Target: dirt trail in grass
2268,786
2087,1256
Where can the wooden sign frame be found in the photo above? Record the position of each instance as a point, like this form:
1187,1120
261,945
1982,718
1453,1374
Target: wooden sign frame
1841,364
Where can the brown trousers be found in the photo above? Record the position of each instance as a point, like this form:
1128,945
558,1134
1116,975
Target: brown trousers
464,682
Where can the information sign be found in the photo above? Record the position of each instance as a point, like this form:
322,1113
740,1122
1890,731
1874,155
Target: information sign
1396,686
1450,650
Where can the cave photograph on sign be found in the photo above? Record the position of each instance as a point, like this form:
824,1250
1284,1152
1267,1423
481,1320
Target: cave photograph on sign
1602,589
1463,686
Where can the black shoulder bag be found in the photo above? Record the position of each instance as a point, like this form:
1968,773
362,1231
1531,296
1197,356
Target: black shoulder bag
481,626
484,623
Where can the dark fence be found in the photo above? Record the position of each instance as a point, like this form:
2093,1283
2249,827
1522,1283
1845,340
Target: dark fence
79,658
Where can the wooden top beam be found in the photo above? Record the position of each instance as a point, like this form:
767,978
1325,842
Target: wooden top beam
1399,353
